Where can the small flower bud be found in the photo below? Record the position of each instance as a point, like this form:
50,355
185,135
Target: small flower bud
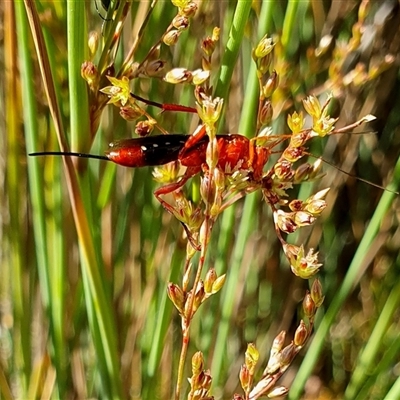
208,46
178,75
207,189
309,307
278,342
218,284
199,94
299,139
144,128
302,218
251,357
93,43
316,169
200,76
287,355
316,293
130,113
189,10
285,221
277,392
245,378
180,22
283,170
152,68
89,73
296,205
271,85
266,113
210,278
176,296
198,296
301,334
302,173
292,154
205,382
197,363
315,207
171,37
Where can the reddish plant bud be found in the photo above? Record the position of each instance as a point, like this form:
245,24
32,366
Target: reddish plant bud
130,113
208,46
245,378
89,73
266,113
285,221
176,296
144,128
301,334
292,154
287,355
271,84
180,22
283,170
309,307
296,205
205,380
207,189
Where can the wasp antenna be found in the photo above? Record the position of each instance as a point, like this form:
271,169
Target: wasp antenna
355,176
356,133
70,154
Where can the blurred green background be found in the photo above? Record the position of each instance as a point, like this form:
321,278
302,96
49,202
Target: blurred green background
83,304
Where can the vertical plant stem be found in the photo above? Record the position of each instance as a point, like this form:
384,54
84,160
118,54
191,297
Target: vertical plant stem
20,294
